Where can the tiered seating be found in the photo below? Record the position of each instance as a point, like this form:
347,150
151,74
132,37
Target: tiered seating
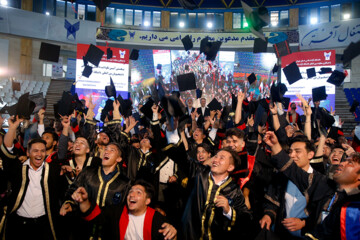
9,97
351,95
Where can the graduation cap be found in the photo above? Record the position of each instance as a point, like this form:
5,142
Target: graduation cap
11,110
325,70
210,49
173,106
159,66
15,86
186,81
292,73
102,4
275,68
184,120
351,52
49,52
94,55
125,106
354,105
319,94
260,45
39,100
107,110
286,101
336,78
326,120
310,72
146,108
109,53
87,71
65,106
134,55
214,105
277,92
260,116
282,49
256,19
110,90
251,78
198,93
25,107
335,132
188,44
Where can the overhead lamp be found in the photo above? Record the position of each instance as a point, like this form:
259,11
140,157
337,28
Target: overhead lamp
313,20
346,16
181,24
146,23
209,25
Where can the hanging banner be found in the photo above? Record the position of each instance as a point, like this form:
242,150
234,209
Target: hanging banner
229,40
329,35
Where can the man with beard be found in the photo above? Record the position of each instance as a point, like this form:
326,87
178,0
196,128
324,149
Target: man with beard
293,117
101,141
341,211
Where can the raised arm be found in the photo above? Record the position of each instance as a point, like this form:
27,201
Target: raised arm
307,112
238,110
10,136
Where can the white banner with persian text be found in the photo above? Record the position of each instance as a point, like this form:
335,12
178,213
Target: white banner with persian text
329,35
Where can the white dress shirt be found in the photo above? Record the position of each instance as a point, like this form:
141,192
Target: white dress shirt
33,204
135,229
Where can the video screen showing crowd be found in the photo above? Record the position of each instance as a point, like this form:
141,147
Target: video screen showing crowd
162,169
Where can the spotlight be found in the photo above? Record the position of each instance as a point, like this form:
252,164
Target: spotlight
146,23
246,24
4,2
274,24
181,24
313,20
119,20
47,14
346,16
209,25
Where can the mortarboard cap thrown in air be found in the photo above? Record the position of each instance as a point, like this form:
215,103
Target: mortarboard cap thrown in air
319,93
292,73
188,44
134,55
186,81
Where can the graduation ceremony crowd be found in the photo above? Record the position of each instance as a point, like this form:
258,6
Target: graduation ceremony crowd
251,170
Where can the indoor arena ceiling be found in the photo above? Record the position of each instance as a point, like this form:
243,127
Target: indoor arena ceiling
226,4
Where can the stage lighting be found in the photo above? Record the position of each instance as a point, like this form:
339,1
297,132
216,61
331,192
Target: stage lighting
274,24
4,2
146,23
181,24
209,25
119,21
346,16
47,14
313,20
246,24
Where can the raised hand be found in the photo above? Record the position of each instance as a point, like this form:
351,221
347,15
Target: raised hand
240,97
91,104
155,108
14,122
